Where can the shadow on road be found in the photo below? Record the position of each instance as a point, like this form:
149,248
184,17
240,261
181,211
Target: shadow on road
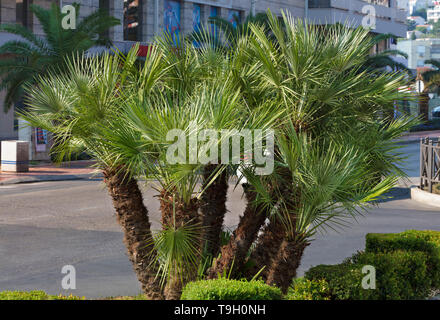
398,193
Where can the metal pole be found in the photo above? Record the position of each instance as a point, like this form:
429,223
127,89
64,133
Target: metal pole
156,17
306,9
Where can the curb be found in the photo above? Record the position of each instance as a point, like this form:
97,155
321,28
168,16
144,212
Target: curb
43,178
409,141
425,197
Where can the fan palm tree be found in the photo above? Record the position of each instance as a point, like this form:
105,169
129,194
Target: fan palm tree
331,143
77,106
328,101
33,55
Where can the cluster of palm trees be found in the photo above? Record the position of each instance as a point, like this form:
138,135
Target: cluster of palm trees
333,151
333,143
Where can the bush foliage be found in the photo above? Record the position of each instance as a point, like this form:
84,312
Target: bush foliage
303,289
400,275
34,295
224,289
407,267
427,241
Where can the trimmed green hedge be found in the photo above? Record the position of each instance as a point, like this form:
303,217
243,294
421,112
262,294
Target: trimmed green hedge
412,240
303,289
399,275
34,295
223,289
344,280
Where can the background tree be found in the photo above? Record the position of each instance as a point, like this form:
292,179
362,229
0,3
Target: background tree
386,60
33,55
420,13
431,81
411,24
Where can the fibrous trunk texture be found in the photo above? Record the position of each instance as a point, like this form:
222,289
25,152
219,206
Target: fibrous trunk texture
176,213
233,255
132,216
213,208
424,106
284,266
268,245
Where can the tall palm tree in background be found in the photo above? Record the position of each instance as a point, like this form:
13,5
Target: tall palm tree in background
431,81
33,55
385,60
224,34
331,143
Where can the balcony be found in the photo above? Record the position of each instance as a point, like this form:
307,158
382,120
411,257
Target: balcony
388,20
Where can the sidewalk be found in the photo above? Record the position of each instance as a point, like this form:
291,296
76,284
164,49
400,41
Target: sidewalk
49,172
412,137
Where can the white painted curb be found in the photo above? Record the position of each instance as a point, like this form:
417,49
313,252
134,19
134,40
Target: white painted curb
425,197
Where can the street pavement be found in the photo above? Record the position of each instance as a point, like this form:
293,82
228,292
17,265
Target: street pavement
46,225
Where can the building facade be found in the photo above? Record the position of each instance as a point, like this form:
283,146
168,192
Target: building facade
433,13
420,50
141,20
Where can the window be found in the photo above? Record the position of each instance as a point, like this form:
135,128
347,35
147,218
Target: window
234,17
132,20
196,17
213,12
104,7
22,12
420,63
421,51
171,17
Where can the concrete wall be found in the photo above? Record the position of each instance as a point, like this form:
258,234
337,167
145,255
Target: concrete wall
340,11
388,19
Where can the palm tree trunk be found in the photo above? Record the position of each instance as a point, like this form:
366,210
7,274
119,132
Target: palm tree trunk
213,208
176,213
268,245
424,106
284,266
132,216
233,255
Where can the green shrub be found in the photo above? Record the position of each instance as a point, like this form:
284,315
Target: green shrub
34,295
223,289
399,275
303,289
412,240
344,280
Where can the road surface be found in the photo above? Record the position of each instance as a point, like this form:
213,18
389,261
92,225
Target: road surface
44,226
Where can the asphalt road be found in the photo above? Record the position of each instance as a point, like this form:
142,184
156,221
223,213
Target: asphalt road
44,226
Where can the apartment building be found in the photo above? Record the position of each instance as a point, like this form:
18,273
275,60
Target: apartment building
415,5
420,50
141,20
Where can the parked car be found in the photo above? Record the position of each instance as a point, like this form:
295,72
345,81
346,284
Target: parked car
436,113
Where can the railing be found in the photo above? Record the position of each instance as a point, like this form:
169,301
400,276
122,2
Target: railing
319,4
429,163
328,4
